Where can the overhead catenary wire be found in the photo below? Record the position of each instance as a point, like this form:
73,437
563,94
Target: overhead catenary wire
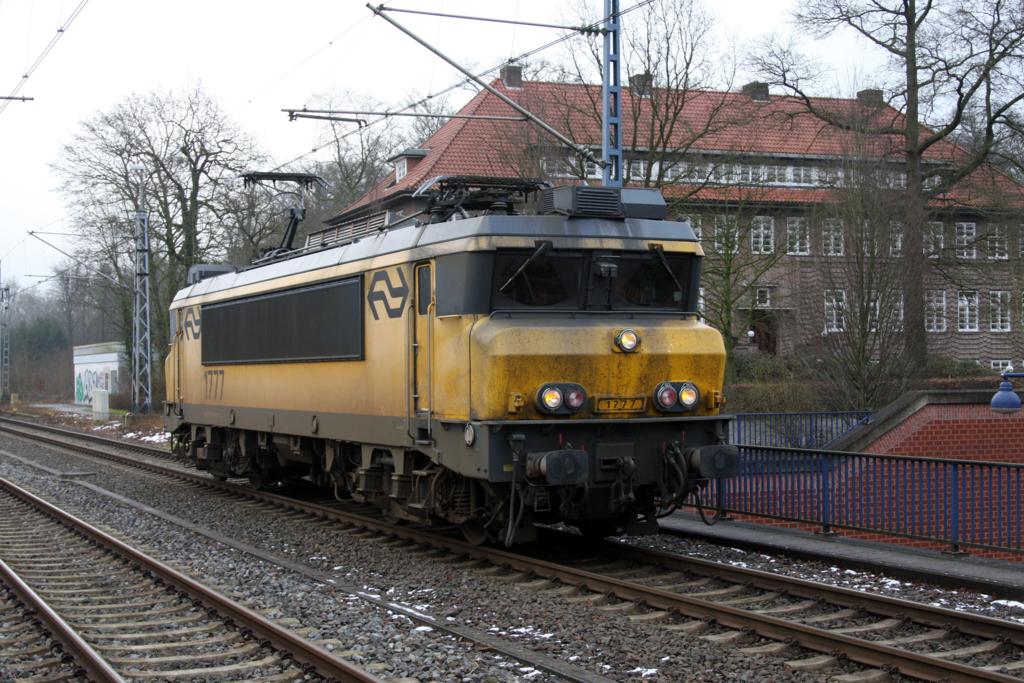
61,30
581,29
455,86
330,43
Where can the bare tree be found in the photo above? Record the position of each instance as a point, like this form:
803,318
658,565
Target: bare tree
945,59
191,154
858,308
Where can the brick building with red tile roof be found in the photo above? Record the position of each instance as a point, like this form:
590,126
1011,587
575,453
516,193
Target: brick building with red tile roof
781,171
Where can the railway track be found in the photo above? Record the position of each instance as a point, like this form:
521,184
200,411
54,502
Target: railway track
759,612
121,615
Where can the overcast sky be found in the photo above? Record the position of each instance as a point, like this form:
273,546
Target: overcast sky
256,57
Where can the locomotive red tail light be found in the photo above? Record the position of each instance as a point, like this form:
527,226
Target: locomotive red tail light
575,398
666,396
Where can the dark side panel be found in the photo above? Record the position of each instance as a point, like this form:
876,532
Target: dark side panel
320,322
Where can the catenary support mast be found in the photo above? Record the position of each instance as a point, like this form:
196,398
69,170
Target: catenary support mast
611,100
142,355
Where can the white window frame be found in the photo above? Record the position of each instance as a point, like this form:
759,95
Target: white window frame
722,222
968,318
401,169
966,240
762,235
934,239
835,310
895,239
998,243
830,229
763,297
1000,365
999,311
935,310
799,227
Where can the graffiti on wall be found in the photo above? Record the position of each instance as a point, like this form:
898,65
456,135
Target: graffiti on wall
88,379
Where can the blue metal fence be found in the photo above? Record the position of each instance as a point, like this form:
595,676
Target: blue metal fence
954,502
793,430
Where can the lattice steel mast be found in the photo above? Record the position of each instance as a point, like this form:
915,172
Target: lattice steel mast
142,354
5,341
611,100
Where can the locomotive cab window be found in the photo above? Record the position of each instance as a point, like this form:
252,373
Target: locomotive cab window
535,278
653,280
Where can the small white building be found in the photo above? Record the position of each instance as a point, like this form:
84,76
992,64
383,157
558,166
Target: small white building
98,366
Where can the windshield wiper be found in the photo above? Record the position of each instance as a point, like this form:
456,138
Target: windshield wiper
668,269
541,248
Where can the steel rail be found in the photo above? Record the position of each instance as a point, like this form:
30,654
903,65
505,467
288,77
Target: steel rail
301,649
91,661
821,640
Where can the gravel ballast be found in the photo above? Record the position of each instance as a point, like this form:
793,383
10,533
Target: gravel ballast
604,643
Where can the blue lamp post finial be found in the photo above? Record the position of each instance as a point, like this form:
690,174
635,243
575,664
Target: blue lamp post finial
1006,400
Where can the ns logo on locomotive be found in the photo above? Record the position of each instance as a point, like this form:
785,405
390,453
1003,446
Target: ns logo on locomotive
472,365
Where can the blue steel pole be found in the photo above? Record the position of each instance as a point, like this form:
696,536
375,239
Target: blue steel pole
611,100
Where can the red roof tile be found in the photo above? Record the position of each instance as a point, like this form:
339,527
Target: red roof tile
709,123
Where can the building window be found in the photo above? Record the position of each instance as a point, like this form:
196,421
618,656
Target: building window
798,237
835,310
1002,365
966,236
999,311
935,310
557,167
637,169
895,238
727,239
762,235
998,243
401,168
869,239
967,311
832,237
803,175
700,302
934,239
763,297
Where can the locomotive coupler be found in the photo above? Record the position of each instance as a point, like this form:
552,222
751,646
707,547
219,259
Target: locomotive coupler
565,467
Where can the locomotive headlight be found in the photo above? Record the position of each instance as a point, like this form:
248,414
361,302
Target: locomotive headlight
469,435
688,395
666,396
575,397
551,398
627,340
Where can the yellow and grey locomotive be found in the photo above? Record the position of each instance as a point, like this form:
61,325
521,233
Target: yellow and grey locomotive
477,367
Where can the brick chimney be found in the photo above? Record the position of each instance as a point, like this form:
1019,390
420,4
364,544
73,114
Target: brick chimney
872,97
756,90
512,75
641,85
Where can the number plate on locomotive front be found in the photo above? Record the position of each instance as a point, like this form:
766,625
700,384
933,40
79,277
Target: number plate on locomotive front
634,404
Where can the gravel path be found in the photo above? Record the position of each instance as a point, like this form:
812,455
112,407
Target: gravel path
606,643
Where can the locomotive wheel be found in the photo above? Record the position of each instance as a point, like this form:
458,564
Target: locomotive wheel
474,532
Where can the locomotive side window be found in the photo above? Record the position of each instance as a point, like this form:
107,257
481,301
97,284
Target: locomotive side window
539,277
423,293
319,322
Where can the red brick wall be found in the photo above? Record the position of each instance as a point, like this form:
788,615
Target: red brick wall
963,432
